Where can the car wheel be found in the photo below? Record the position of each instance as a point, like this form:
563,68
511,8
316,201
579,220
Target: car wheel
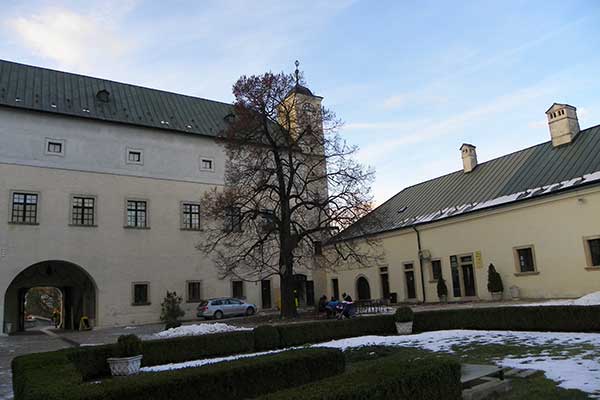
250,311
218,314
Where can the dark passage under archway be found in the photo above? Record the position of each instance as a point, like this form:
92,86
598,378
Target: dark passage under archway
77,287
363,290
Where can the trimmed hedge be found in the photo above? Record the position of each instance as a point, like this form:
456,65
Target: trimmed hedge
52,376
526,318
266,337
393,377
315,332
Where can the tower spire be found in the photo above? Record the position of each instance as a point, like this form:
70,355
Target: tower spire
297,72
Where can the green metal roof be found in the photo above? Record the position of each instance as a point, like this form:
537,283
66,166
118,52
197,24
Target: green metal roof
537,171
40,89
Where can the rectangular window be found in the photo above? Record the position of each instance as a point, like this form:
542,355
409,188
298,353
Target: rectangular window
594,249
436,269
335,285
233,219
193,290
140,294
135,156
55,147
237,289
206,164
83,212
24,208
190,218
318,248
268,220
137,214
525,259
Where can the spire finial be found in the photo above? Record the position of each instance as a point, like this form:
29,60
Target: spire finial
297,72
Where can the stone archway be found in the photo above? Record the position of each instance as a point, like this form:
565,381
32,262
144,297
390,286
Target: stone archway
77,286
363,289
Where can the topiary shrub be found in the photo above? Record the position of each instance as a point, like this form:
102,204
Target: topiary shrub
494,280
404,314
442,289
266,337
129,346
171,310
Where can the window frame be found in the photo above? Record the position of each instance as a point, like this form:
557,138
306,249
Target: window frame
518,271
61,142
72,222
229,225
139,283
588,253
182,214
243,296
432,276
134,150
11,205
189,299
147,213
201,161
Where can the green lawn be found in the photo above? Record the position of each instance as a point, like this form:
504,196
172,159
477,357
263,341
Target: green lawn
536,387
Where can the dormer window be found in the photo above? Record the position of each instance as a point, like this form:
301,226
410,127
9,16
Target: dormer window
206,164
135,156
54,147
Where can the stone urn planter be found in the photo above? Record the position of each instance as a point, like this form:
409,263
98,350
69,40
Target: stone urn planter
496,296
443,298
404,328
128,356
123,366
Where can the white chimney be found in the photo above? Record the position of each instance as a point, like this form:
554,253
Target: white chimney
563,123
469,157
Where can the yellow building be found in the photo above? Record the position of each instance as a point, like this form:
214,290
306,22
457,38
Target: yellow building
533,214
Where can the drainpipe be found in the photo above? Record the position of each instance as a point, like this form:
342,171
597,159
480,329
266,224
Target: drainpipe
420,261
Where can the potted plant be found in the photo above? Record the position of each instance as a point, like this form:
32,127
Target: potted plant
171,310
494,285
128,356
442,290
404,320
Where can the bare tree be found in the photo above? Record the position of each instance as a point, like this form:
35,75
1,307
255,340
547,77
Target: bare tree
291,185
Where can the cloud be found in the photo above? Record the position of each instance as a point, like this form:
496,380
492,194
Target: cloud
72,40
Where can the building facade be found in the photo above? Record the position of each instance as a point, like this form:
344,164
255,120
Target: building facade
533,214
100,196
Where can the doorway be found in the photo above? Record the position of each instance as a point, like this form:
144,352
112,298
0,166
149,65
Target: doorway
409,275
42,308
363,289
468,275
265,288
335,285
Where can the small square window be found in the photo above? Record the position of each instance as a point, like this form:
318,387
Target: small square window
206,164
54,147
525,259
194,292
141,294
135,156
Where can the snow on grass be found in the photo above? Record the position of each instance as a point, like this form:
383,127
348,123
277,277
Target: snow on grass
592,299
572,359
198,329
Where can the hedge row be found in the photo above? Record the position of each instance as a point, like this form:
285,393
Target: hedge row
392,377
92,360
526,318
52,376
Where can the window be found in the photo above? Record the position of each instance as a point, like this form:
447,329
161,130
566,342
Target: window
193,291
318,248
237,289
137,214
268,220
593,251
54,147
135,156
206,164
525,259
24,208
190,218
83,211
233,219
436,269
141,294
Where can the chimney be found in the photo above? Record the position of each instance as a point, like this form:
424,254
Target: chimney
563,123
469,157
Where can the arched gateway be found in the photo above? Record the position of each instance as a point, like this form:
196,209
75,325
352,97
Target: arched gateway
77,286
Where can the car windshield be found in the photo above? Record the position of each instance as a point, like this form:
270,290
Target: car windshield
203,303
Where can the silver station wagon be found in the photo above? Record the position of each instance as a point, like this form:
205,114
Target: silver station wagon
224,307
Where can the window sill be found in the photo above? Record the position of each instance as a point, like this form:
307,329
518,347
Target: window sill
527,273
140,304
593,268
191,229
83,226
23,223
136,227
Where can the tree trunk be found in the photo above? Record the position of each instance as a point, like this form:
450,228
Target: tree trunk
288,303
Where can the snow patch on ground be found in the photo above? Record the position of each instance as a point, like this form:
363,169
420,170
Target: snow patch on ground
198,329
592,299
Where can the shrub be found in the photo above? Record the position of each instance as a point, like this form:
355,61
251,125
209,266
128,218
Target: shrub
392,377
322,331
494,280
442,289
526,318
246,378
171,310
404,314
266,337
129,346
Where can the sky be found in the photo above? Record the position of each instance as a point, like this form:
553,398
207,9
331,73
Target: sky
412,80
